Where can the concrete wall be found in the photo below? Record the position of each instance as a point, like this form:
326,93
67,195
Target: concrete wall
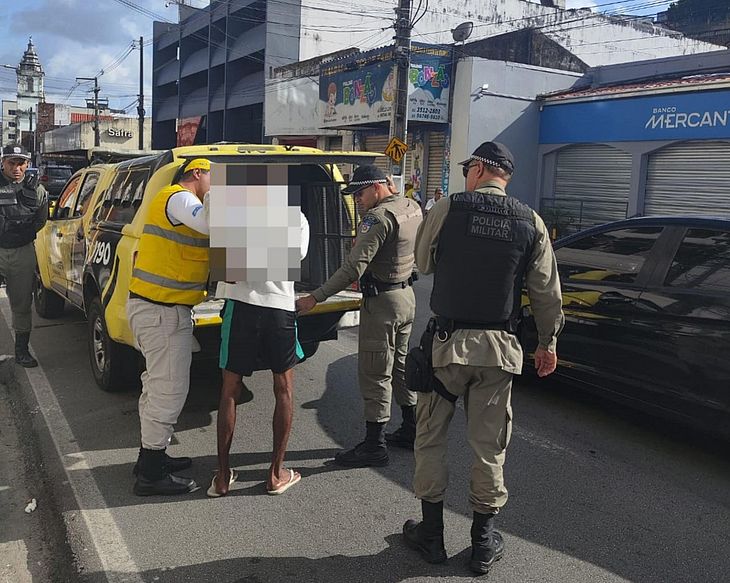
505,112
595,39
80,136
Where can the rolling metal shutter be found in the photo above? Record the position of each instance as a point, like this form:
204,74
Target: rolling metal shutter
689,178
592,184
379,143
436,143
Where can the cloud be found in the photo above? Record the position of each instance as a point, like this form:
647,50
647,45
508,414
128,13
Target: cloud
573,4
77,38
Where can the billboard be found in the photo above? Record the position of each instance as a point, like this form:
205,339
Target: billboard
360,90
61,115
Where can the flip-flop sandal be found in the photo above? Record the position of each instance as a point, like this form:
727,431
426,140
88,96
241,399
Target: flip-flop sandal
213,493
293,479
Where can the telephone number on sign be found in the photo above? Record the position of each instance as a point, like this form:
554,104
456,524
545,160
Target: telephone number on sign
429,110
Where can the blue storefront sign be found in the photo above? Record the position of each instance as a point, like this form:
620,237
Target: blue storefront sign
678,116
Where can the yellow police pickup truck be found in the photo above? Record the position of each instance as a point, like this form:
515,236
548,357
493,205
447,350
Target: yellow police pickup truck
87,249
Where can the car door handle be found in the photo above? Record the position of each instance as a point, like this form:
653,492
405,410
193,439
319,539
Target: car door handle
59,234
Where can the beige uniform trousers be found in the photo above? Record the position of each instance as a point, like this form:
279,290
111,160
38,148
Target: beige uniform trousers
386,321
17,266
487,402
164,334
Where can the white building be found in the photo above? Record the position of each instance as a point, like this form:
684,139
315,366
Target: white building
22,114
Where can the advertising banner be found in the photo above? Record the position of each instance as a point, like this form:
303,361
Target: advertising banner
360,90
671,116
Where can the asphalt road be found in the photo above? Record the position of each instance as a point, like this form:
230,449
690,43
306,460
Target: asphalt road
597,493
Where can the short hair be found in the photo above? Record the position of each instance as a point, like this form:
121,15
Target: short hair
502,173
189,174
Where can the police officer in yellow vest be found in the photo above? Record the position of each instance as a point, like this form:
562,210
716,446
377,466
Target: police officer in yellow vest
482,246
169,277
382,258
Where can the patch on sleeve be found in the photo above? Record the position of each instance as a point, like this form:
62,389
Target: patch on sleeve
367,222
489,227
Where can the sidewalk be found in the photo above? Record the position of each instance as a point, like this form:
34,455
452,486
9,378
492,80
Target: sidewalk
32,545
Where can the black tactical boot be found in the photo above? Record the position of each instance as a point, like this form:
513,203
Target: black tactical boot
487,544
370,453
405,435
155,479
173,464
427,537
22,355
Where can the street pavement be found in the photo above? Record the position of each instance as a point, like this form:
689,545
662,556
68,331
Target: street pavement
597,493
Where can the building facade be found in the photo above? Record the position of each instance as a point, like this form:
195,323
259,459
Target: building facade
650,138
213,72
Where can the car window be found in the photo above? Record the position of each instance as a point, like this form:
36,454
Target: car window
67,199
611,256
59,173
702,262
87,189
123,197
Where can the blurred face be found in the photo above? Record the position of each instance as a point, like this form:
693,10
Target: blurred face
438,194
14,168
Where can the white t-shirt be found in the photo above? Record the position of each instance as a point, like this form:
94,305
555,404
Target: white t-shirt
184,208
269,294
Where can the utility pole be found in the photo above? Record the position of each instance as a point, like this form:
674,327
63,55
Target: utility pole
30,126
399,121
96,107
140,103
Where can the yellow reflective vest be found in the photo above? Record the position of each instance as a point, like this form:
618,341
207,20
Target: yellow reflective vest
172,260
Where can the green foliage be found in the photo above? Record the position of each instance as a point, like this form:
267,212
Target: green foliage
699,10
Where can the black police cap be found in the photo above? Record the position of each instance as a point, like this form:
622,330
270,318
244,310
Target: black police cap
363,177
15,151
493,154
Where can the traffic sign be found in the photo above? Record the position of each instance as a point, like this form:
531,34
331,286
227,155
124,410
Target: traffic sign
396,150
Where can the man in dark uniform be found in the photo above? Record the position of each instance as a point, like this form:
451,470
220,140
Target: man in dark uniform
483,247
382,258
23,212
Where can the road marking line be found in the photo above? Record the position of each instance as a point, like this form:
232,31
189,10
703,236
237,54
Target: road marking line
106,538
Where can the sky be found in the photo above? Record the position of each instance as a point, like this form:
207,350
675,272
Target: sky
82,37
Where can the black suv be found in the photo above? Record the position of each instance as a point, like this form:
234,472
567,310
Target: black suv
54,178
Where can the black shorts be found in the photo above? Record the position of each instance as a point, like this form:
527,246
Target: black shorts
258,338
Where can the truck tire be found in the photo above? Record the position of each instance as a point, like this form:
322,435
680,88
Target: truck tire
48,304
115,366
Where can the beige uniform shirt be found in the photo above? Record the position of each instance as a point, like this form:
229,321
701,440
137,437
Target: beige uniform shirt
497,347
374,229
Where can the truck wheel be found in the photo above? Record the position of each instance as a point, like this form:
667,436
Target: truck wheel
115,366
48,304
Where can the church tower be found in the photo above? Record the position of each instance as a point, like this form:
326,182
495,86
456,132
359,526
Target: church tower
30,89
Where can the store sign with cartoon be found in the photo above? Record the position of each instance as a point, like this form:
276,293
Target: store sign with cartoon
360,91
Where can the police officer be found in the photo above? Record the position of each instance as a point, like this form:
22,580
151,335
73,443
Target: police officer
23,212
382,258
170,276
482,247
